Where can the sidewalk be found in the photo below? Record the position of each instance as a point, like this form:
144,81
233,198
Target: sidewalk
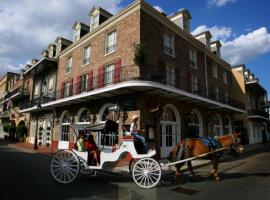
123,165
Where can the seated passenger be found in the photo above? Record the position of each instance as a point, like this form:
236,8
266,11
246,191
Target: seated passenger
92,148
80,142
143,147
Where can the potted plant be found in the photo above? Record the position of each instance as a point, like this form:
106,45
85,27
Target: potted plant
139,54
48,136
40,135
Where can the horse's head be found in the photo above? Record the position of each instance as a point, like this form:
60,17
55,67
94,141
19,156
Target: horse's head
235,142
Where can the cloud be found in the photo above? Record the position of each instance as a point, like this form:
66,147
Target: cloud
219,3
240,49
28,26
247,47
217,32
158,8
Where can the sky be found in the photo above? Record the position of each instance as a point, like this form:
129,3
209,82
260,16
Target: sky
28,26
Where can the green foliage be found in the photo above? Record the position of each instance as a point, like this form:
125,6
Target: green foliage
6,127
139,54
21,130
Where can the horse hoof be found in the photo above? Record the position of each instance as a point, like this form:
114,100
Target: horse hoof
217,178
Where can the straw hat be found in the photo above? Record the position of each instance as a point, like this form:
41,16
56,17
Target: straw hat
134,117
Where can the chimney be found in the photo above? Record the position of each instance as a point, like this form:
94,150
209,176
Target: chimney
204,38
182,19
215,48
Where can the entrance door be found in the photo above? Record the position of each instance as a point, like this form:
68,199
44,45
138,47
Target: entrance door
168,138
169,130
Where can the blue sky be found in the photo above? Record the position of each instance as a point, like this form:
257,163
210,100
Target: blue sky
28,26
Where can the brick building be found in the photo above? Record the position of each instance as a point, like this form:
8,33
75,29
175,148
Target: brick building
147,64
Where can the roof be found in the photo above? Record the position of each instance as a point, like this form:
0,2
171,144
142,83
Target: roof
183,11
204,33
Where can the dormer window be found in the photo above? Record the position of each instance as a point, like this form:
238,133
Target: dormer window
94,21
58,47
76,34
51,52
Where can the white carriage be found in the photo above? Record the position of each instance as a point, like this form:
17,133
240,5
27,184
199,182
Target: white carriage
67,164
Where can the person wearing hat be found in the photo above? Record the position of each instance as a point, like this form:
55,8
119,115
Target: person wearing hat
134,130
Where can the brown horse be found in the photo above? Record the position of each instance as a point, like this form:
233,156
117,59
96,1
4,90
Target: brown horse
192,147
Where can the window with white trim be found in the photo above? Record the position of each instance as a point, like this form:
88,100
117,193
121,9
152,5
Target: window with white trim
217,126
68,64
193,58
86,55
66,89
225,77
194,123
170,75
36,89
194,85
108,74
94,21
214,70
226,97
50,83
168,40
83,82
76,34
110,42
65,126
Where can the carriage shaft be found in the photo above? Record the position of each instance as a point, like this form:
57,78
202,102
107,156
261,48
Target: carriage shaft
193,158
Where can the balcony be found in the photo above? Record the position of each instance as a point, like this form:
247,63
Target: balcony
258,113
149,74
37,101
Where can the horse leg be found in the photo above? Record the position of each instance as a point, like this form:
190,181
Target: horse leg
177,171
214,171
190,168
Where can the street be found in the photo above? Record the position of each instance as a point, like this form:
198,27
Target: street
26,176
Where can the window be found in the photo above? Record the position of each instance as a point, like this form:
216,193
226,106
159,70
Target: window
76,34
108,76
193,123
170,75
226,97
69,64
84,83
36,89
227,125
225,77
66,89
169,44
51,52
193,58
214,70
94,21
86,55
65,125
85,117
51,83
194,85
216,93
111,42
217,126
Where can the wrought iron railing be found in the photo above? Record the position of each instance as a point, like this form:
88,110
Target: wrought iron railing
258,113
145,73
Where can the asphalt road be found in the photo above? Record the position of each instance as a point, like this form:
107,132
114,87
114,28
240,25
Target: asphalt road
26,176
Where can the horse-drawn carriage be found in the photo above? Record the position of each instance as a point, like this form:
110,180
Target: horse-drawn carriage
146,171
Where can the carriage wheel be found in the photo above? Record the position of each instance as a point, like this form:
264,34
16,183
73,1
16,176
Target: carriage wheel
146,173
65,166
